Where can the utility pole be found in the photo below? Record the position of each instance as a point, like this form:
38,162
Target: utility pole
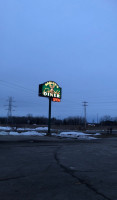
97,118
85,117
10,109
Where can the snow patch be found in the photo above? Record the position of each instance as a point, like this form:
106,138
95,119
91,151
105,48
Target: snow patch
41,129
79,135
31,133
33,129
97,134
72,134
5,128
4,133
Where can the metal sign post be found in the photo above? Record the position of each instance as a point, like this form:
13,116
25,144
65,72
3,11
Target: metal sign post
49,117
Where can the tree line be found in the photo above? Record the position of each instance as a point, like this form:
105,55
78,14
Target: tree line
41,120
31,120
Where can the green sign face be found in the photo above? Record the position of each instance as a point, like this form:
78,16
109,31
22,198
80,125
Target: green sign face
50,89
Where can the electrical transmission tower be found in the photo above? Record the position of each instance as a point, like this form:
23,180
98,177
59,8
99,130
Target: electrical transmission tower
10,109
85,117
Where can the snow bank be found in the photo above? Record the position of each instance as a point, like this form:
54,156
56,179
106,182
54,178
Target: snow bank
79,135
23,129
5,128
33,129
72,134
31,133
4,133
97,134
41,129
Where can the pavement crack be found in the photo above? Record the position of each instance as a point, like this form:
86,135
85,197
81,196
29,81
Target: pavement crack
81,181
11,178
20,177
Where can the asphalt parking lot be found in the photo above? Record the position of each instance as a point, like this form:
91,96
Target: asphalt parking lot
48,168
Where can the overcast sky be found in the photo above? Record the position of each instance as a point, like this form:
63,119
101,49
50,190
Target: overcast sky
71,42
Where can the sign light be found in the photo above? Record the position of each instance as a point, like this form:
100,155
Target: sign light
50,89
56,100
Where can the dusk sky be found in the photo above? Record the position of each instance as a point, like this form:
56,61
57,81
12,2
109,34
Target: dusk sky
71,42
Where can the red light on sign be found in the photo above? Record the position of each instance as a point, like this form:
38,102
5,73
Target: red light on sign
56,100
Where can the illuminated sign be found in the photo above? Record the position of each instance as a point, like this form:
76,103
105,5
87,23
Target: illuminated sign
50,89
56,100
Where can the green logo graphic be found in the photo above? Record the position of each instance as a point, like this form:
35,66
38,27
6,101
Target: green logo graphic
50,89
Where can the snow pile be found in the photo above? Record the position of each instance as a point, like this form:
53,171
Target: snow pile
31,133
79,135
5,128
4,133
34,132
97,134
23,129
41,129
28,133
33,129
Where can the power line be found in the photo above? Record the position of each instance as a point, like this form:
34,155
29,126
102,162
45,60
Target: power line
34,92
16,85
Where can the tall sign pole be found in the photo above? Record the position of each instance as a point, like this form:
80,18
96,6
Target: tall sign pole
51,90
49,117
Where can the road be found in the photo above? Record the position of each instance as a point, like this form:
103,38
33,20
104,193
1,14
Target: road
56,169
